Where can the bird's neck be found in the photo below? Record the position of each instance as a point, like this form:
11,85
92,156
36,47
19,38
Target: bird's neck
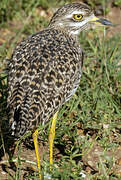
66,31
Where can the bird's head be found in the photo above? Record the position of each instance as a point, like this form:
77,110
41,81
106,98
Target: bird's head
76,17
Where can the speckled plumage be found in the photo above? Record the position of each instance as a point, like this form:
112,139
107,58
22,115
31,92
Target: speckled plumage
44,72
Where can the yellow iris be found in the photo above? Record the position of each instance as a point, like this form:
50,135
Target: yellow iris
78,17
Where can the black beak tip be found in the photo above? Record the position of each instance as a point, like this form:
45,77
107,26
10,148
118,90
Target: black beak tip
105,22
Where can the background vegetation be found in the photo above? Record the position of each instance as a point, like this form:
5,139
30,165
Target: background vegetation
88,140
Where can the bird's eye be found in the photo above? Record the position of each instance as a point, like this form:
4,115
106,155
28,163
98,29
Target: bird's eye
78,17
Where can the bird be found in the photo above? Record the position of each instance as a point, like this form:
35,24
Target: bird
44,72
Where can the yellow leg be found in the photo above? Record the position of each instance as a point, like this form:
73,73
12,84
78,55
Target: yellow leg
35,136
51,138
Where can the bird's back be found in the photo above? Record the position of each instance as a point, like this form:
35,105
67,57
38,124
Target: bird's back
44,72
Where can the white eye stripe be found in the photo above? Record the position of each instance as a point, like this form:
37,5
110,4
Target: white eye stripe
78,12
82,22
75,12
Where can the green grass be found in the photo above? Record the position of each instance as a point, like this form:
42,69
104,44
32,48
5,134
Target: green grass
92,116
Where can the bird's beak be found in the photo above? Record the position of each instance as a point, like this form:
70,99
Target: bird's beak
100,21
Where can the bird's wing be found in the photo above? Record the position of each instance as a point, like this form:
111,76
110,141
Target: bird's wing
40,75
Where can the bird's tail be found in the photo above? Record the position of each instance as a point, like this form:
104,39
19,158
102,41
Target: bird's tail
18,106
20,123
